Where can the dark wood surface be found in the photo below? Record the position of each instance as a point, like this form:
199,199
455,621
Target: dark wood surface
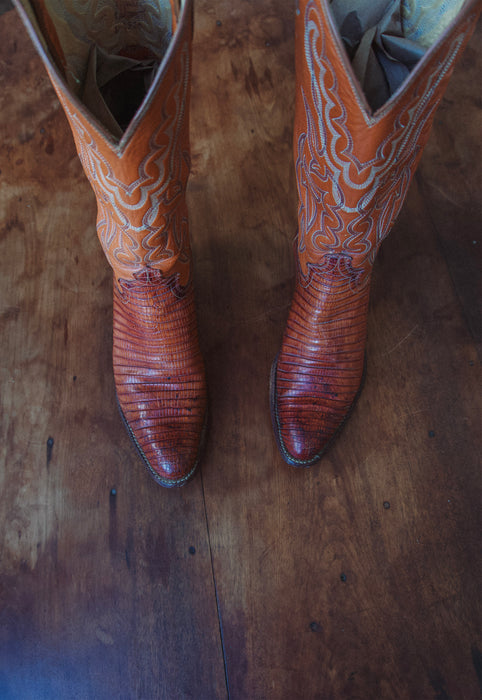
359,578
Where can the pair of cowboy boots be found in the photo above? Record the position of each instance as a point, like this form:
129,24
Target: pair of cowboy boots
369,76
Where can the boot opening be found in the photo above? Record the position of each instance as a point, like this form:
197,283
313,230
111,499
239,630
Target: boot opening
108,51
385,39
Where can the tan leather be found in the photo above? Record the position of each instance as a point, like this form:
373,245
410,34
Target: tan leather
353,169
140,182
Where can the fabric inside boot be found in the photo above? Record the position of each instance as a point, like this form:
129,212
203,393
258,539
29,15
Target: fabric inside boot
385,39
114,87
107,50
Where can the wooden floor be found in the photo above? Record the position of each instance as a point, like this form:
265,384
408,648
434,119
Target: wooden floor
359,578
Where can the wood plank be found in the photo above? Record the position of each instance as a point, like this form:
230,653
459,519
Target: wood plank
450,179
357,578
101,595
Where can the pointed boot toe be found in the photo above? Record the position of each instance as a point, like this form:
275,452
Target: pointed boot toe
299,438
169,434
170,449
307,413
300,446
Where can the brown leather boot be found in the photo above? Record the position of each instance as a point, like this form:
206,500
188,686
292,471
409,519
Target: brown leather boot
353,164
122,74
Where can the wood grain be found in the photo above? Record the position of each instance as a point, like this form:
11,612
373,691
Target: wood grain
358,578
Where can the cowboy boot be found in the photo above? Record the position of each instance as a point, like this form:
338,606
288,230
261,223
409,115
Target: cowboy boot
354,161
121,71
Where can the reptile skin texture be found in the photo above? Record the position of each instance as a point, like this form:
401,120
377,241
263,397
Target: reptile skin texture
353,169
159,373
140,182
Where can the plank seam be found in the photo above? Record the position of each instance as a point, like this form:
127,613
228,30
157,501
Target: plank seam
218,606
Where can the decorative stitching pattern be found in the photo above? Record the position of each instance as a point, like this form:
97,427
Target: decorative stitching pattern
338,267
142,221
349,202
